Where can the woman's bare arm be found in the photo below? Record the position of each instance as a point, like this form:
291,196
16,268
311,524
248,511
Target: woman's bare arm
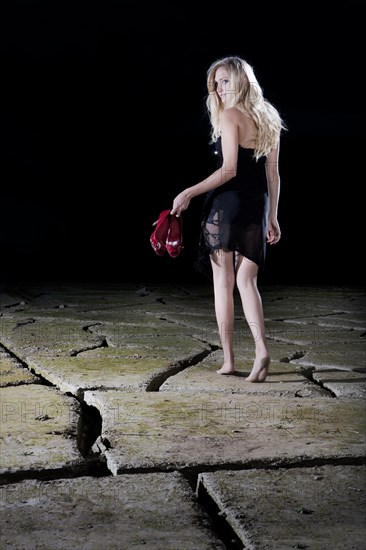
273,183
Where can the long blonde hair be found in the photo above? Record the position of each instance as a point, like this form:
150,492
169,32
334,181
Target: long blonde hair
247,96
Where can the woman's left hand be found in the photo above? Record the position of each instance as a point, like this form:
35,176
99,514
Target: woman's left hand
180,203
273,232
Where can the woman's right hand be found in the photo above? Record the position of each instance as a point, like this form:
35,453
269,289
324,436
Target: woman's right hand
180,203
273,231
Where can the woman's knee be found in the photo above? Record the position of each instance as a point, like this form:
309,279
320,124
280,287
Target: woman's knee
224,279
223,269
246,273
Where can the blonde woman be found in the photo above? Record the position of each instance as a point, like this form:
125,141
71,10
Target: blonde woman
240,213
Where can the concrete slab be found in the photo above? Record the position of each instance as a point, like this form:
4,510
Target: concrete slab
79,332
183,430
311,335
12,373
317,508
48,337
120,344
128,369
58,351
342,383
301,304
283,380
155,510
38,431
336,357
131,311
155,333
9,300
340,321
122,299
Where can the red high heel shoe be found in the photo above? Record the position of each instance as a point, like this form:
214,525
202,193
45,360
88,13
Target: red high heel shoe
174,242
159,236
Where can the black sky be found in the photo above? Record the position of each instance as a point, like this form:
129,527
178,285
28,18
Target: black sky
103,123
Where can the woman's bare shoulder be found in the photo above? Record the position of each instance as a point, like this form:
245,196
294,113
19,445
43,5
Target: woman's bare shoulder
236,115
233,113
246,126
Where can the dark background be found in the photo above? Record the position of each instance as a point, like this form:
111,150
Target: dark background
103,122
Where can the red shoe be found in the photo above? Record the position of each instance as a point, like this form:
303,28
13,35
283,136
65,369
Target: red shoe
174,242
159,236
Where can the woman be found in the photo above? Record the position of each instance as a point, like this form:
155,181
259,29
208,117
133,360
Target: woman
240,212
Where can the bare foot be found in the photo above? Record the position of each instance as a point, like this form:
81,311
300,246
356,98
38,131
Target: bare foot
226,369
260,370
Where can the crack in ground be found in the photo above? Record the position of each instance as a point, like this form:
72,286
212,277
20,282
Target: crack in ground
316,316
20,363
291,357
89,429
16,304
92,447
160,378
221,526
307,372
89,437
102,344
24,323
86,328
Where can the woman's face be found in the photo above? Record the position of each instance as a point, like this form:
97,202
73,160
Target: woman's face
223,84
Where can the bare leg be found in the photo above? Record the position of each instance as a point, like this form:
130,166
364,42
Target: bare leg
246,280
224,281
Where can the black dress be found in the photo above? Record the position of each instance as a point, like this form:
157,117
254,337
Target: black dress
235,214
